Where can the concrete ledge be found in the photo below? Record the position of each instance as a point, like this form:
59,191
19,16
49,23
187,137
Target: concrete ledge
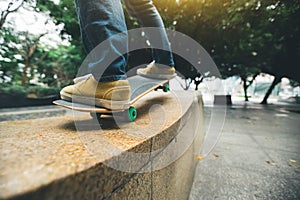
73,157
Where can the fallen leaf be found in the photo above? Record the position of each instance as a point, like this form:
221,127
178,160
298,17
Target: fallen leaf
200,157
295,166
42,135
274,164
271,163
216,155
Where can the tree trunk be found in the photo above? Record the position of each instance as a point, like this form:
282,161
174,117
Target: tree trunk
276,80
24,74
187,84
29,55
197,82
245,86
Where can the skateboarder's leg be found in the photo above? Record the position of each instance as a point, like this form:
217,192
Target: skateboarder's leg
102,21
147,15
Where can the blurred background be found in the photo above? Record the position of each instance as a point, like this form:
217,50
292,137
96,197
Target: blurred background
255,45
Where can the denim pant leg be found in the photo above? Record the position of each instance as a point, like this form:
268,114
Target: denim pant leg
103,21
147,15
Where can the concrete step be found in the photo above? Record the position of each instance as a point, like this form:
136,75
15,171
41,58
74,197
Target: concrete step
77,157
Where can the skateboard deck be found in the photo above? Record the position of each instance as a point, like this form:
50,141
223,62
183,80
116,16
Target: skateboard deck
139,87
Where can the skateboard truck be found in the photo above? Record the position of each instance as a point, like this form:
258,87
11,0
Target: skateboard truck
129,114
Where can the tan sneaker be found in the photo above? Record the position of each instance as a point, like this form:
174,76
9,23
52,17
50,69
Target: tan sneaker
111,95
152,71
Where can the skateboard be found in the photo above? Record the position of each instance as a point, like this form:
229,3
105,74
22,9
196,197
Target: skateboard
139,86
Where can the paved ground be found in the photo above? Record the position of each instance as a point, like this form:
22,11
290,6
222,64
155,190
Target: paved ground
257,156
33,112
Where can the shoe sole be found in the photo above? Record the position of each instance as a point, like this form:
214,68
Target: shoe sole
156,76
108,104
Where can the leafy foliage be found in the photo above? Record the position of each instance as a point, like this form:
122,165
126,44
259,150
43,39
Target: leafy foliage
60,66
243,37
9,71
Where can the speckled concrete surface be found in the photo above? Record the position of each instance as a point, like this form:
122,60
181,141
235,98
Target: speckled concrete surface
75,157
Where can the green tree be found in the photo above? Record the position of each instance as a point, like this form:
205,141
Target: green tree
19,55
60,66
63,13
9,60
71,57
285,43
243,37
23,57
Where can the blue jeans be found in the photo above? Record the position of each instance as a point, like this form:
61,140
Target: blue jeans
103,20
